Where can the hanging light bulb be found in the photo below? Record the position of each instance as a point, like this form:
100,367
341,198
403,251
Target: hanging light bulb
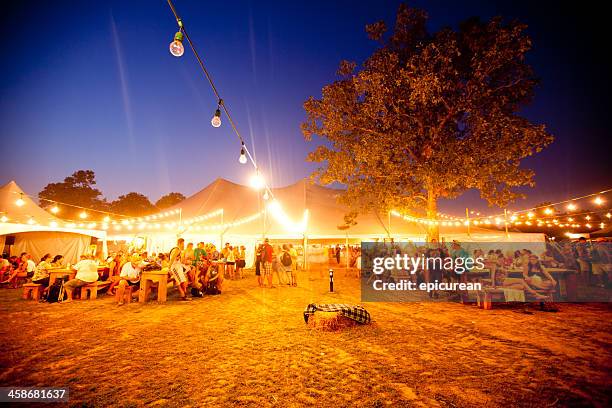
4,218
571,206
266,196
20,201
55,209
598,201
83,215
176,46
242,159
31,221
257,182
548,211
106,219
216,119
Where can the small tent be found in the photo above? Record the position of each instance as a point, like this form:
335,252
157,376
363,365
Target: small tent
29,228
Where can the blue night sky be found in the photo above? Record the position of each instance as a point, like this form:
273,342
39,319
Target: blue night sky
91,85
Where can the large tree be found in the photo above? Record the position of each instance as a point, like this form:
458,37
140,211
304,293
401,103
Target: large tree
428,116
169,200
133,204
78,190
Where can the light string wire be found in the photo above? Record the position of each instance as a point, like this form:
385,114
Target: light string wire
220,100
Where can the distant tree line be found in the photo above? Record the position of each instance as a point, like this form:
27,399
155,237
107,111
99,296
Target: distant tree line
79,189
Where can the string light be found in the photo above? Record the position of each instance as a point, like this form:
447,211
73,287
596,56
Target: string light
20,202
242,159
598,200
571,207
4,218
83,215
216,119
55,209
176,46
548,211
257,182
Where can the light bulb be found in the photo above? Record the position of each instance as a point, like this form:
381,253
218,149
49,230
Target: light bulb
216,120
106,219
571,206
266,196
176,46
20,202
83,215
31,221
257,182
598,201
55,209
4,219
548,211
242,159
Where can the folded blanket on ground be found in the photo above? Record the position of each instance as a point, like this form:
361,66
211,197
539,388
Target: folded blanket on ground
354,312
514,295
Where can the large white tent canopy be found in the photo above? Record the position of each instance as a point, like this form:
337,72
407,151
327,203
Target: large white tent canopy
301,210
38,232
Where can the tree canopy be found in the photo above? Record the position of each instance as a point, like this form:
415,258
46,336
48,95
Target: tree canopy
169,200
77,189
428,116
132,204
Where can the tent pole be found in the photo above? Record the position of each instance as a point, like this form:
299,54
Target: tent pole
506,222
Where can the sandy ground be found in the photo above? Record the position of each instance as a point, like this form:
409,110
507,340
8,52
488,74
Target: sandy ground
250,347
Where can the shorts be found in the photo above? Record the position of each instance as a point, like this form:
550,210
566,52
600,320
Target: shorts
30,274
137,283
241,263
267,268
178,273
257,268
230,263
75,283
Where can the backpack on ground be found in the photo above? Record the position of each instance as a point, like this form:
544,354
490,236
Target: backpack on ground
56,292
286,259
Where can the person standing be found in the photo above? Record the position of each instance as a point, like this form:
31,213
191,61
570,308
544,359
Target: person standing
177,270
294,266
338,254
240,260
258,261
267,257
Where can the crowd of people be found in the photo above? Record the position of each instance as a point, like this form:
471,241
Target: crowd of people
593,261
195,269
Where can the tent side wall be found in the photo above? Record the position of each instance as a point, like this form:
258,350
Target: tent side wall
39,243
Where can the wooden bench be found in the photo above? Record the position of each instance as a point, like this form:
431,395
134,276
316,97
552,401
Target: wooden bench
127,295
484,297
32,291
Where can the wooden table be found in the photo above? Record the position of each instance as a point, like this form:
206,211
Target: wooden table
55,273
149,277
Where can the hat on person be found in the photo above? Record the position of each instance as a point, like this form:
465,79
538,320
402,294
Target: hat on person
267,240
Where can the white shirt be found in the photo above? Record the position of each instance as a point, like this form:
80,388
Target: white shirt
87,270
128,271
31,266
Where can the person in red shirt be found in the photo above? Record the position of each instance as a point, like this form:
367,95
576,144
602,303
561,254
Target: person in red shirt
267,255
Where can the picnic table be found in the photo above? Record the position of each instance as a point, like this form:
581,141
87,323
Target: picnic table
55,273
566,278
147,279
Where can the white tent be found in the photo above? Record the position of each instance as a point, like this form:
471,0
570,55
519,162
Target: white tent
302,211
36,231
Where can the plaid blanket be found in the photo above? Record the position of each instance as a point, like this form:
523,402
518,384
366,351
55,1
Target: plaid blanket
354,312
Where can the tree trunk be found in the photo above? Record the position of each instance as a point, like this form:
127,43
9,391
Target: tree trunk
433,230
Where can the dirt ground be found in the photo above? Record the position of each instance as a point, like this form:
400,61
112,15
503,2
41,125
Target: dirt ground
250,347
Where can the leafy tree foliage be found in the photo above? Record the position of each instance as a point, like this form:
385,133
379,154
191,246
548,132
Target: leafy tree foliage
169,200
428,116
133,204
77,189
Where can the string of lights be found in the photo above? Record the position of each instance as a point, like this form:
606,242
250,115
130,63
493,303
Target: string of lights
177,49
529,216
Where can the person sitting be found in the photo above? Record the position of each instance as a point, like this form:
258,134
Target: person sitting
536,275
86,273
41,275
17,271
213,280
57,261
130,276
500,279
